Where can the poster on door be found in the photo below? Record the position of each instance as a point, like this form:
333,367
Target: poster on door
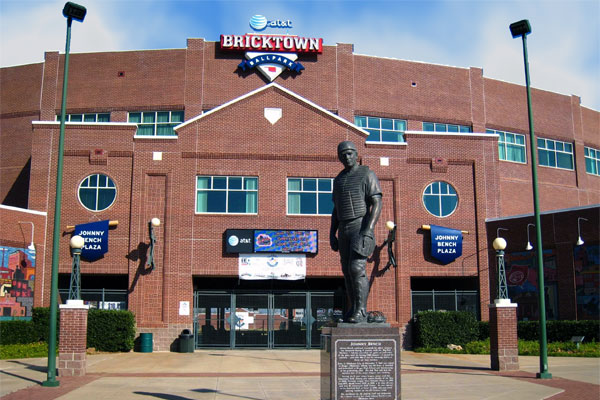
288,267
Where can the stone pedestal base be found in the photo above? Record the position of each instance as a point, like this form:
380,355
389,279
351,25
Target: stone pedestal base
504,348
360,361
73,337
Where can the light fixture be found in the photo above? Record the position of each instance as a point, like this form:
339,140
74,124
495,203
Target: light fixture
499,245
77,242
154,223
31,246
579,239
529,247
391,227
74,11
520,28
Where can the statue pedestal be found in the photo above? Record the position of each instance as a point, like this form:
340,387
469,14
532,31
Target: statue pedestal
360,361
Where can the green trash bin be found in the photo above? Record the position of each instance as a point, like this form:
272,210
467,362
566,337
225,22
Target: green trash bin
146,342
186,341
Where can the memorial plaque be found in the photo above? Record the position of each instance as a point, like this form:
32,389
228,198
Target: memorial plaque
366,369
360,363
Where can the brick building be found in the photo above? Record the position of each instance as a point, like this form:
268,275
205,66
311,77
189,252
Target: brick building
191,138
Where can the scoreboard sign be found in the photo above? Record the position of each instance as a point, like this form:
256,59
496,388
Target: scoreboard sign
271,241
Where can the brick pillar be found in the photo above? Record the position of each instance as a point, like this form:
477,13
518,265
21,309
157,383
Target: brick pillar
73,337
504,349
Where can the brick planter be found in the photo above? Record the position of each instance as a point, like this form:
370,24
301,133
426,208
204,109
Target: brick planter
504,349
73,337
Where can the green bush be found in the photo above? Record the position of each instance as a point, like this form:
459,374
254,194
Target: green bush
17,331
441,328
560,331
484,330
11,351
478,347
110,330
41,322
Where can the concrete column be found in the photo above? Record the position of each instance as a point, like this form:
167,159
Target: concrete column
504,349
73,338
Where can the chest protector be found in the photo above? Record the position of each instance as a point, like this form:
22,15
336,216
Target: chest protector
349,193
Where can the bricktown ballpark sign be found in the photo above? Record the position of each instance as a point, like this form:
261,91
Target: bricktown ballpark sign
271,54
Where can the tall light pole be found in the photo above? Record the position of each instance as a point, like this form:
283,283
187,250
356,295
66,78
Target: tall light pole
72,12
523,28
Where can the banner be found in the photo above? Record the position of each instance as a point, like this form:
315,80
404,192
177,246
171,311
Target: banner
95,236
288,267
446,244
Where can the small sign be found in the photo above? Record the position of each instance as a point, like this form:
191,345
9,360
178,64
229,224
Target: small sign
184,308
287,267
239,241
95,236
446,244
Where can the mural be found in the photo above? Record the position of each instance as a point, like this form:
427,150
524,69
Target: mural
522,280
586,260
17,276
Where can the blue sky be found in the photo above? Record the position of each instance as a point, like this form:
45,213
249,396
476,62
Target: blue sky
564,46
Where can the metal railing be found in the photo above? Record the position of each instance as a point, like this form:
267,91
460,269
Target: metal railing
445,300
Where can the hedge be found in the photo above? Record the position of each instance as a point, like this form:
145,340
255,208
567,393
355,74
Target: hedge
438,329
108,330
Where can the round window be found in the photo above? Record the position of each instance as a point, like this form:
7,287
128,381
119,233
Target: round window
97,192
440,199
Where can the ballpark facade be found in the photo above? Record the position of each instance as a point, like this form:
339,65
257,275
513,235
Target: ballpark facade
228,138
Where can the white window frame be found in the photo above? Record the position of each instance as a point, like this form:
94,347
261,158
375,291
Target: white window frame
155,125
460,128
504,143
227,191
381,130
593,155
69,117
440,195
97,187
316,193
555,151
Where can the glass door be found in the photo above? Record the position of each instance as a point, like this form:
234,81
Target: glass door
251,320
212,313
289,315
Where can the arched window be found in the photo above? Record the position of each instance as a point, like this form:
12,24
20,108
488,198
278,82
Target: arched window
97,192
440,199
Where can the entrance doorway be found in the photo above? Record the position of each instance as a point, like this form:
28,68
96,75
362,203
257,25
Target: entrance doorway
272,319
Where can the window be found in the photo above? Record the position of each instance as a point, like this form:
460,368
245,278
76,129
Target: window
435,127
554,153
382,129
511,146
103,117
592,161
227,194
97,192
309,196
440,199
156,123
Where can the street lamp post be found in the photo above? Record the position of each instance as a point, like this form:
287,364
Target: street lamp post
77,243
72,12
523,28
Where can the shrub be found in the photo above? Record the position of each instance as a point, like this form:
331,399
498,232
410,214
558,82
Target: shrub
10,351
41,322
478,347
18,331
560,331
440,328
110,330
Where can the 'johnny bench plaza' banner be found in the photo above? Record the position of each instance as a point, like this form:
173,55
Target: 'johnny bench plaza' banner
95,236
446,244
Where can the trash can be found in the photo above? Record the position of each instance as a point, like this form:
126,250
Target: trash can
146,342
186,341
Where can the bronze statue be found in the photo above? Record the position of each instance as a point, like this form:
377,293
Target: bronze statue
357,206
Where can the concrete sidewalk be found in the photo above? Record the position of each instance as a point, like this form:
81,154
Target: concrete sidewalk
291,374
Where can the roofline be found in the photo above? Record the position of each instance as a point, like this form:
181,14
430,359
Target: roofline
24,210
277,86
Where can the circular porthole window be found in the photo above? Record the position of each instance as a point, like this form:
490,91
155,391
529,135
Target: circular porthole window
440,199
97,192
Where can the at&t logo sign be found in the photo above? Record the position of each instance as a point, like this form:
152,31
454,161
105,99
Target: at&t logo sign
260,22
